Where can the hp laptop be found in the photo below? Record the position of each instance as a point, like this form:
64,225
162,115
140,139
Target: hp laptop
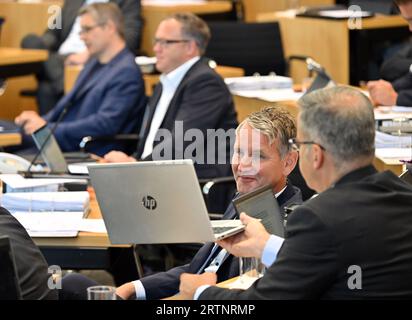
155,202
9,288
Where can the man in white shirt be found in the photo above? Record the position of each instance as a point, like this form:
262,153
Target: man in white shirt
190,95
267,160
352,241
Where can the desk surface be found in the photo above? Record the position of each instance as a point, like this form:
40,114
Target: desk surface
11,56
84,239
303,36
10,139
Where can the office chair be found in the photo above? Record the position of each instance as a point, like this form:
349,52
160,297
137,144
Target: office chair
255,47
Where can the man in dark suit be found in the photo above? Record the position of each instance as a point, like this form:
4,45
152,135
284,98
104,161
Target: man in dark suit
354,240
32,269
66,47
398,92
108,96
190,97
273,127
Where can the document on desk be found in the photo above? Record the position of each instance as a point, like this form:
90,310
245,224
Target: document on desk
270,95
394,153
18,183
259,83
46,201
50,224
389,113
386,140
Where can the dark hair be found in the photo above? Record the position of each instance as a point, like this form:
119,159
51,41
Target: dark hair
193,28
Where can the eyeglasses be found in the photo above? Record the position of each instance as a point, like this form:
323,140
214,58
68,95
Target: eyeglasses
166,42
295,144
87,29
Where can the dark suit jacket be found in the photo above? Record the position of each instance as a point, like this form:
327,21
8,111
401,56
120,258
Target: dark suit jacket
364,220
53,38
165,284
108,102
403,86
30,263
201,101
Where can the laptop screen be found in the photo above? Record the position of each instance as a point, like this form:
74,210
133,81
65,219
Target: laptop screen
51,153
9,288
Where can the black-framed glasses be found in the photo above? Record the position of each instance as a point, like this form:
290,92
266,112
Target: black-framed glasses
295,144
166,42
87,29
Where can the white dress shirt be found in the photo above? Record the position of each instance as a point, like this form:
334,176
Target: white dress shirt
73,43
169,82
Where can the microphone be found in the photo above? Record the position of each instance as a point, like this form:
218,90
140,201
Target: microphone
28,172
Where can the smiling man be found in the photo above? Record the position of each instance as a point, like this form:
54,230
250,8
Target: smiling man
262,156
352,241
108,97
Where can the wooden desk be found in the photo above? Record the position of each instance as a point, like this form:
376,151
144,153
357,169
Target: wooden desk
150,80
153,14
9,139
253,8
86,251
327,41
17,62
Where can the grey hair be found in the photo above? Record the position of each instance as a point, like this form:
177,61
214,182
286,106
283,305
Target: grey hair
103,12
274,122
341,120
193,28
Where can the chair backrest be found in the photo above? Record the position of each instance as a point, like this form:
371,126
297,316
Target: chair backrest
255,47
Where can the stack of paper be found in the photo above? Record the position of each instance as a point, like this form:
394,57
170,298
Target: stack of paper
17,183
58,224
46,201
258,83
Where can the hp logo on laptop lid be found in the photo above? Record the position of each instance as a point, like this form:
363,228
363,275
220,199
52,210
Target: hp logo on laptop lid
149,202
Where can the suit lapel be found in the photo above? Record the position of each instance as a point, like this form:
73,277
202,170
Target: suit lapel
154,100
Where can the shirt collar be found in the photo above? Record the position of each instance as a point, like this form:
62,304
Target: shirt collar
173,78
280,192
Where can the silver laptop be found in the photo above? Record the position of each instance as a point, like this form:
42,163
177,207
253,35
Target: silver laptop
155,202
52,154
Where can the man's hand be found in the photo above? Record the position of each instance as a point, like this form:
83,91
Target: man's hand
30,121
117,156
190,282
382,93
249,243
77,58
126,290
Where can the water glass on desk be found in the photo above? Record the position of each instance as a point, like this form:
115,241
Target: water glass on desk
400,122
250,269
101,293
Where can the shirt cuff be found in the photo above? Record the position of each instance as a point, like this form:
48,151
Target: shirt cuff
270,252
139,289
199,291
